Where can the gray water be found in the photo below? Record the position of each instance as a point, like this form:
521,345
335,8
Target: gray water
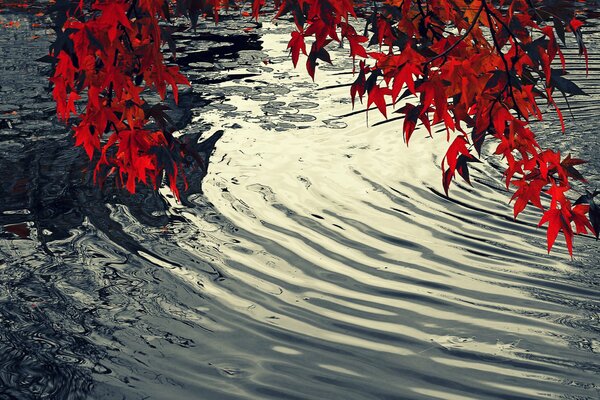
319,260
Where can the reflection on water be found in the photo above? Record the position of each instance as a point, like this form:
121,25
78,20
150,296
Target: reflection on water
321,260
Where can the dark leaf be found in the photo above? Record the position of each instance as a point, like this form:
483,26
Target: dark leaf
194,15
495,79
582,200
47,59
462,166
94,41
559,28
166,11
167,37
594,214
478,139
157,112
565,85
372,80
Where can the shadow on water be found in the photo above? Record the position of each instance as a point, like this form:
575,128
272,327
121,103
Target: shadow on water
306,266
48,200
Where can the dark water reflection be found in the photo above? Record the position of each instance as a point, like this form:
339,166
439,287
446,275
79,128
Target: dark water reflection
319,263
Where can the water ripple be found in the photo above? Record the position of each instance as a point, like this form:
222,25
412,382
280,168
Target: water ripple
313,263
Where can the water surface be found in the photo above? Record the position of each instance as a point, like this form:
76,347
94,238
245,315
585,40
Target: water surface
321,259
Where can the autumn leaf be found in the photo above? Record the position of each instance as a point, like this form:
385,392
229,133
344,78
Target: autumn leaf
489,77
377,96
557,222
85,138
296,45
456,149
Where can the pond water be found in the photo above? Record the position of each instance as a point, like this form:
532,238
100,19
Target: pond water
320,260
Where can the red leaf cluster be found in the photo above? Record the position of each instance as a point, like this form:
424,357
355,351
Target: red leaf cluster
111,51
480,68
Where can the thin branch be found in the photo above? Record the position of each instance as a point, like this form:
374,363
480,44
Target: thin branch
463,37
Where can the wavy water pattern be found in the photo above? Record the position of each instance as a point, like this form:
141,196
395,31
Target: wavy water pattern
320,261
